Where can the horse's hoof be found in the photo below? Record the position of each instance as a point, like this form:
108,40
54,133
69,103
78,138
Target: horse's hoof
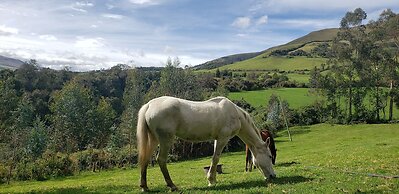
144,189
210,184
174,189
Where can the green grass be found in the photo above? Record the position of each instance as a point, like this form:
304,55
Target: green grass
296,97
301,78
320,159
272,63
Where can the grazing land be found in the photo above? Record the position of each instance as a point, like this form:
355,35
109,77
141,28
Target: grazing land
320,159
282,63
296,97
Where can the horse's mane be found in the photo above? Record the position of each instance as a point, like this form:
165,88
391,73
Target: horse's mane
249,119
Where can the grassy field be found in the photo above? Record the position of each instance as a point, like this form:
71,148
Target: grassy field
272,63
320,159
301,78
296,97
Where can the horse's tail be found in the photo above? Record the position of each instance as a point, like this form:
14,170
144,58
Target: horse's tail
146,142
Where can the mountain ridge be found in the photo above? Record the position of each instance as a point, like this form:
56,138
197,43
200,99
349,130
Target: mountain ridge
10,63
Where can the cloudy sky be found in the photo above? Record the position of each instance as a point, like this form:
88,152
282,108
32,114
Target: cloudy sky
98,34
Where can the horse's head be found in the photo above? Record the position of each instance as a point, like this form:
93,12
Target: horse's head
264,160
265,135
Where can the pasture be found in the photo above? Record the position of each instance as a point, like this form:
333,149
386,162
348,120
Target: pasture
272,63
320,159
296,97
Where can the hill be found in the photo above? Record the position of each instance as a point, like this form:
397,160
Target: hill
294,55
320,159
226,60
10,63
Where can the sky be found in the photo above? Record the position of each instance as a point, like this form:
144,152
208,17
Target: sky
98,34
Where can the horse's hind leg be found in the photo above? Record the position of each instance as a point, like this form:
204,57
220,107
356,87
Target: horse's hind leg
143,181
164,147
219,145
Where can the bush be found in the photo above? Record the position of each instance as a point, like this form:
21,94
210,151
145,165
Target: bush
22,171
95,159
309,115
58,164
39,170
3,173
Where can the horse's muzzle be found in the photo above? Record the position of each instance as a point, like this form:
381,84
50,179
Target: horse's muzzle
272,176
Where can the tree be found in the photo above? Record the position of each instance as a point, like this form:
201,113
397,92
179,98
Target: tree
37,139
8,103
348,51
178,82
137,84
104,121
386,31
73,111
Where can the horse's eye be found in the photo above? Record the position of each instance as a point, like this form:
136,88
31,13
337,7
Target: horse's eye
270,157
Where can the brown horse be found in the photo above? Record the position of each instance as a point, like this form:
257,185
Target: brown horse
248,159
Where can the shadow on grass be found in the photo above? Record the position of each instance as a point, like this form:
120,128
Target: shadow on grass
253,183
287,164
104,189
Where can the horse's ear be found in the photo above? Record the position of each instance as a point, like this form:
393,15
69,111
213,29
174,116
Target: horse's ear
267,142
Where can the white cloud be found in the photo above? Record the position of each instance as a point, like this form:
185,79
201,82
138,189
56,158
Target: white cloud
144,2
242,22
262,20
113,16
80,5
79,9
84,4
110,6
242,35
89,43
7,31
48,37
168,49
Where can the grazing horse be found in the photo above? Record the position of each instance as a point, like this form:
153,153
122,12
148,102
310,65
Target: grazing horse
218,119
248,157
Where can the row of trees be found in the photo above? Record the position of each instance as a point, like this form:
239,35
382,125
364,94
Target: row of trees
364,73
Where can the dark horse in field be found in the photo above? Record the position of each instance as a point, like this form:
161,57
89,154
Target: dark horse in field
248,158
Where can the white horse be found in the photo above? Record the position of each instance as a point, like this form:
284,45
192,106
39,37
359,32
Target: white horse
219,119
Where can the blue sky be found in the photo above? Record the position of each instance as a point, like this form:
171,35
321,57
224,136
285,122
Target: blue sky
98,34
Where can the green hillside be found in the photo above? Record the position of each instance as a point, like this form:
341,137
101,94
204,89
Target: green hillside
320,159
226,60
277,63
317,36
268,59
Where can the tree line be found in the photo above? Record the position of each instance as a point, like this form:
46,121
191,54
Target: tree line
362,82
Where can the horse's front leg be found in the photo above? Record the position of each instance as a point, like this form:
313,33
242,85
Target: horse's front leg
218,148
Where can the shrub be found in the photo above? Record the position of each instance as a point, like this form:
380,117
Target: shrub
58,164
3,173
22,171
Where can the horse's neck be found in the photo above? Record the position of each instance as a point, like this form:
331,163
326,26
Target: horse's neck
249,133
